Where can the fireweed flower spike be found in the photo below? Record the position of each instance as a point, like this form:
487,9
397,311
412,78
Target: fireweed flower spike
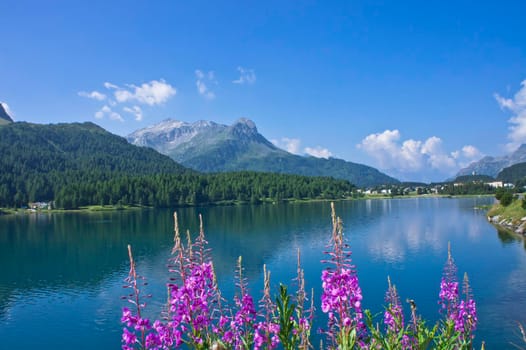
393,315
267,331
448,296
304,317
134,322
243,323
466,320
192,300
461,315
342,296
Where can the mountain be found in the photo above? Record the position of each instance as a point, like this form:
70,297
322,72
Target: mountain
513,173
194,143
4,117
491,166
211,147
38,161
76,147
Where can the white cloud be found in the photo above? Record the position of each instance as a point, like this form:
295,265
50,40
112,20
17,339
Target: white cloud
288,144
414,155
471,152
7,109
93,95
246,76
152,93
437,158
387,151
109,86
202,80
136,111
466,155
106,111
517,105
116,116
129,98
318,152
293,146
432,145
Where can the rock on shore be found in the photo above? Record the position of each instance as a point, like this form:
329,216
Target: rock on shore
519,228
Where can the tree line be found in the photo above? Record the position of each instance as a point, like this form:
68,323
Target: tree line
169,190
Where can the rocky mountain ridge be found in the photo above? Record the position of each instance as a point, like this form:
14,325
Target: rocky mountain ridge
211,147
491,166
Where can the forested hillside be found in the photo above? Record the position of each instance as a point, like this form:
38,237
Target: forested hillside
82,164
38,161
513,173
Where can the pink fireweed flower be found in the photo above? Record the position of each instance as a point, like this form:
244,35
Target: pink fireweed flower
128,317
190,303
153,341
342,295
165,336
393,315
266,333
463,313
448,295
341,298
143,324
466,320
242,324
304,323
128,338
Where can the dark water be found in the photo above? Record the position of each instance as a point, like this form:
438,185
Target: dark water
62,274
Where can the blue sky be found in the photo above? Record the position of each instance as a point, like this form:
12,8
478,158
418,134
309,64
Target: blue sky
417,89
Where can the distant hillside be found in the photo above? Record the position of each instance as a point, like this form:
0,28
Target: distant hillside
4,117
474,178
210,147
513,173
39,160
491,166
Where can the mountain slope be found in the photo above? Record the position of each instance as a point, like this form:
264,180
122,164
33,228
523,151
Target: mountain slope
491,166
59,147
38,160
211,147
513,173
4,117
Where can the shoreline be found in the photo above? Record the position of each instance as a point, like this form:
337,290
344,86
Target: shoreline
511,218
509,225
113,208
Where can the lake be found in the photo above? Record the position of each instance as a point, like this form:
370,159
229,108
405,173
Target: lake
62,274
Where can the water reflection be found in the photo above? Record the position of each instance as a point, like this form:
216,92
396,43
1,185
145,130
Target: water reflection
416,225
510,237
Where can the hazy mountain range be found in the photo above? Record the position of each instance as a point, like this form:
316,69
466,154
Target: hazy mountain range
211,147
491,166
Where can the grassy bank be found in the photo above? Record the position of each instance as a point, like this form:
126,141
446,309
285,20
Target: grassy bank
512,213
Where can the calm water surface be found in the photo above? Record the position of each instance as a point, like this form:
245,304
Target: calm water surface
62,274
